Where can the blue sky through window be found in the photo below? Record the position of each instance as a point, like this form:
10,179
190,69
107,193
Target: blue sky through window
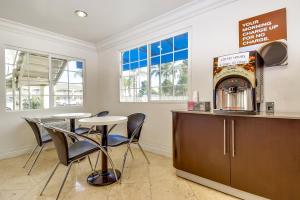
167,45
170,49
155,49
181,41
181,55
155,60
134,55
126,57
164,51
79,65
143,52
167,58
134,58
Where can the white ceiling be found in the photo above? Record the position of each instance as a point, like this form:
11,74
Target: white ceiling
106,17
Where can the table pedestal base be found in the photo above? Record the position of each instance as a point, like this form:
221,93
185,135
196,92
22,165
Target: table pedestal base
100,178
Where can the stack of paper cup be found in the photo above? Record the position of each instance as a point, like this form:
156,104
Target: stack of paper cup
196,96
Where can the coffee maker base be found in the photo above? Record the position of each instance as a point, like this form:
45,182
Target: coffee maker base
236,112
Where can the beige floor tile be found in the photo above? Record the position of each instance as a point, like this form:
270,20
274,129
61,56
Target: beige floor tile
168,189
17,181
80,193
49,194
205,193
136,174
130,191
140,181
161,173
12,194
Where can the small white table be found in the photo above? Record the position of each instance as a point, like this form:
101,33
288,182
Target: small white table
104,176
72,117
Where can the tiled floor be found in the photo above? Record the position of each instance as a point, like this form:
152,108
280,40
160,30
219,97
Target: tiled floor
141,181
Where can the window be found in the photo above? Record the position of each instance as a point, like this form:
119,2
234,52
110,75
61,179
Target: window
27,80
29,84
134,80
67,79
160,76
169,69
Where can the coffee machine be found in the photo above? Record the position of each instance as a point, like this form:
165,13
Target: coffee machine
238,83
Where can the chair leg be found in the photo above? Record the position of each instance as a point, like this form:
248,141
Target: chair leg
56,166
31,154
90,163
35,160
97,160
65,178
124,160
143,152
131,152
89,132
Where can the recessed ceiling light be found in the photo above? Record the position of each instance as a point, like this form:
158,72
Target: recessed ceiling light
81,13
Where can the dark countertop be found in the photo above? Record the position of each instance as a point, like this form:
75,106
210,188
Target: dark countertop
276,115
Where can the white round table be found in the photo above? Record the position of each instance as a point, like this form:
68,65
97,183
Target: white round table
104,176
72,117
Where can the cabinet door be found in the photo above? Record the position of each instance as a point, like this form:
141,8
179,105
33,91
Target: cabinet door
267,157
198,146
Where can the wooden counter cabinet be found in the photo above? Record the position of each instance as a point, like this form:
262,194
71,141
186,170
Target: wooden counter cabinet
260,156
199,146
267,157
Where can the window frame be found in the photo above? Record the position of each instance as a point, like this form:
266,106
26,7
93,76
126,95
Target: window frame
51,86
148,43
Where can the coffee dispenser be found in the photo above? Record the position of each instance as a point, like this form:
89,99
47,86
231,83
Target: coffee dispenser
238,82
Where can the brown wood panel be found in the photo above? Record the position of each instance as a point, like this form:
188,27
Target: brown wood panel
198,146
176,139
267,157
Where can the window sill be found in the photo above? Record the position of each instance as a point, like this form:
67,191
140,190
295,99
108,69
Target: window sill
45,109
155,102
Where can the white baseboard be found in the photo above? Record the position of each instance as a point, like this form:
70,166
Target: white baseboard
21,151
158,149
15,153
154,148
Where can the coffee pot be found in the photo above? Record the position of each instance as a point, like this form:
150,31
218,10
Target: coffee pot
238,82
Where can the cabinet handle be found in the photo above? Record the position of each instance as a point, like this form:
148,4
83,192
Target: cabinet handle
232,138
224,136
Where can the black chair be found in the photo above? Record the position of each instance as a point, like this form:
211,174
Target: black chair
134,127
99,129
68,154
41,140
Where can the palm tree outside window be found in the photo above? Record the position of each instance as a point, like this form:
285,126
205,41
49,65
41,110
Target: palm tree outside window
166,76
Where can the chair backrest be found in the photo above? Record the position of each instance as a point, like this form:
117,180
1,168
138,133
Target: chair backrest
101,114
61,144
36,130
134,121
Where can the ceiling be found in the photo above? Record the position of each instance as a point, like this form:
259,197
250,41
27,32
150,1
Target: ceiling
105,17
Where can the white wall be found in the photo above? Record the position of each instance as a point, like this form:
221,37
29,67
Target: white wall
214,31
15,136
